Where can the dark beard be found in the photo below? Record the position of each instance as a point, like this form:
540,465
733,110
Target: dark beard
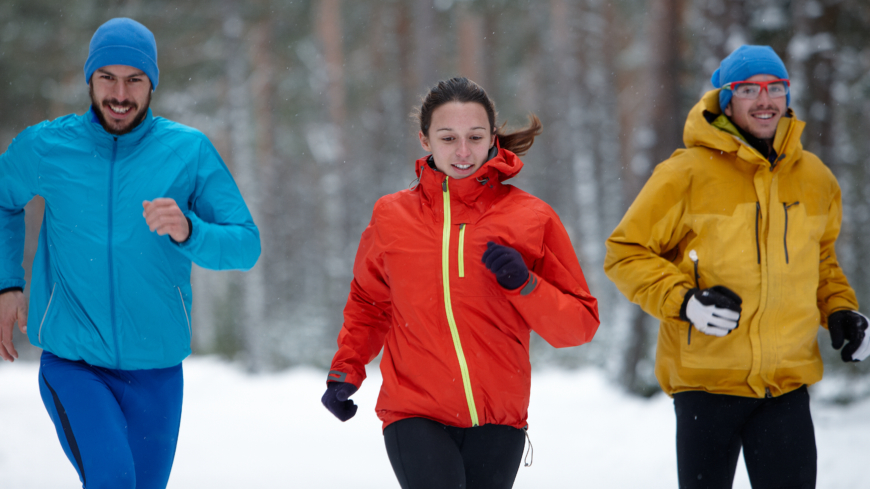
143,111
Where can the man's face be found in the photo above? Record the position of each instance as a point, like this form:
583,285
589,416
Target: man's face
760,116
120,95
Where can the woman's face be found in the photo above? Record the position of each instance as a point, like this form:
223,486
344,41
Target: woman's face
459,138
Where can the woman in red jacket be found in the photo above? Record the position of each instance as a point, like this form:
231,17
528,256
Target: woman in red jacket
450,278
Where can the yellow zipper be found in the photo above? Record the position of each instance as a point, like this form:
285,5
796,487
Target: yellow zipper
462,251
448,306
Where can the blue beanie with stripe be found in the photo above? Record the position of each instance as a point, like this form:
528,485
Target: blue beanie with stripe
123,41
747,61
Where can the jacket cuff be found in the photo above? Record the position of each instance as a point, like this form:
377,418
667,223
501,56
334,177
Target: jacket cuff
836,304
191,236
336,376
13,283
670,308
10,289
189,229
344,377
826,317
527,288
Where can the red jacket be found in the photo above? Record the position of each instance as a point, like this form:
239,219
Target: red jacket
456,344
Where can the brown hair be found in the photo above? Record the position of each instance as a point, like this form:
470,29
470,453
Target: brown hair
463,90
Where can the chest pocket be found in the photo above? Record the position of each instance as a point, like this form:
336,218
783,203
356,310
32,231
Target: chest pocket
802,233
727,246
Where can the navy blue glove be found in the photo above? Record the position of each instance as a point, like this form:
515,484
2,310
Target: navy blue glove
852,326
507,265
336,400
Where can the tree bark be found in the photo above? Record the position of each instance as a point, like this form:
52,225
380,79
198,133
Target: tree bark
470,45
425,43
814,53
658,138
332,160
246,174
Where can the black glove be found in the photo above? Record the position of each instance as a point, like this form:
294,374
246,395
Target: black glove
852,326
336,400
507,264
714,311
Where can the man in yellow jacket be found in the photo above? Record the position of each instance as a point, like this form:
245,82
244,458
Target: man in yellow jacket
731,245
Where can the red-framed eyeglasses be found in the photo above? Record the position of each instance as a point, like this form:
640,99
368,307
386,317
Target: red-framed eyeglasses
752,89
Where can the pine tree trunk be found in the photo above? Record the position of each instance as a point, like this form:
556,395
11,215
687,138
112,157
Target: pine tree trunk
246,174
659,137
327,145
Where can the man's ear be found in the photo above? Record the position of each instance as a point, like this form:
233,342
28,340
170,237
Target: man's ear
424,141
728,110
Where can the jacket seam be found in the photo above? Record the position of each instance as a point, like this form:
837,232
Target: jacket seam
41,159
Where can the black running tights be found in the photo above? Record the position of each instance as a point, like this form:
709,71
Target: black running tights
427,454
779,445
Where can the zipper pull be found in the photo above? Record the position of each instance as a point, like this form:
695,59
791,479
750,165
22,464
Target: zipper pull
693,255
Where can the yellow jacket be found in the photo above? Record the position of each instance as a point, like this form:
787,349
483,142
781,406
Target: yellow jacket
765,231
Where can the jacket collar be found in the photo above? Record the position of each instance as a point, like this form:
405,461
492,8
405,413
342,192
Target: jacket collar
472,195
700,132
95,129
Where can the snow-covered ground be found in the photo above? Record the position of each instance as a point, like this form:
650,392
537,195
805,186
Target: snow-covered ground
270,430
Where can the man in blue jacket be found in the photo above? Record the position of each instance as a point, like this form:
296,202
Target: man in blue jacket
130,201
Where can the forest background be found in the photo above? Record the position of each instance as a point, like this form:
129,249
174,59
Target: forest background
309,102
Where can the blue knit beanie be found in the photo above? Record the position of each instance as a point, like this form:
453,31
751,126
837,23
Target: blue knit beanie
123,41
747,61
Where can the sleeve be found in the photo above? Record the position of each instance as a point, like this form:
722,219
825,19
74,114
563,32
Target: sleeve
367,314
650,229
555,301
223,234
19,167
834,293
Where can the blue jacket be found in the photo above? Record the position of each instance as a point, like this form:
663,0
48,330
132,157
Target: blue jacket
106,289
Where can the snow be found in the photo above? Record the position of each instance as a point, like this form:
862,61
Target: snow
270,430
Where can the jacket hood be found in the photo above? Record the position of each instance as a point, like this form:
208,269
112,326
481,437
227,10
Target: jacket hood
504,165
473,194
700,132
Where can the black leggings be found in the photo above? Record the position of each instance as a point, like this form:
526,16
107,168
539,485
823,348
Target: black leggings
779,445
427,454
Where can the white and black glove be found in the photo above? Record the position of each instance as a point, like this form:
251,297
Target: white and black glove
714,311
852,326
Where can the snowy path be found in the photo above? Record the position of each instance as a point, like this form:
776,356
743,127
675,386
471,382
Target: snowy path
270,431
